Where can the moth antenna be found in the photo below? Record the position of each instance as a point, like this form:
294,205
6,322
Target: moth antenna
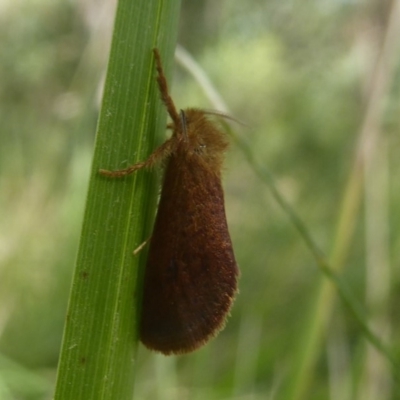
163,86
224,115
184,123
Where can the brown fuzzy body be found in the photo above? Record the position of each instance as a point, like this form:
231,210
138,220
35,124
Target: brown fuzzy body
191,274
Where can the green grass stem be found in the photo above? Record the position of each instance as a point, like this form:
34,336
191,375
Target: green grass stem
101,331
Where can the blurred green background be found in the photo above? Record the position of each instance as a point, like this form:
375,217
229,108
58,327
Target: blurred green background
304,76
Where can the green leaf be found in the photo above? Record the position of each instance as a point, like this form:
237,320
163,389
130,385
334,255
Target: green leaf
101,331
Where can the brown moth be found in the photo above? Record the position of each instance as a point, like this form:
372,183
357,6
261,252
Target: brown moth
191,275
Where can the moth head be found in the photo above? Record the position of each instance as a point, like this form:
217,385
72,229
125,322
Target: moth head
201,137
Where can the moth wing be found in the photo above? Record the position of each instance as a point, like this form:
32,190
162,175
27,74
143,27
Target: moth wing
191,273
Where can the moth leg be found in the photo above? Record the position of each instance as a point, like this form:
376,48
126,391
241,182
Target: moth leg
159,154
163,86
165,149
141,247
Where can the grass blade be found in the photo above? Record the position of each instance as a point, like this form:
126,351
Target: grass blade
100,338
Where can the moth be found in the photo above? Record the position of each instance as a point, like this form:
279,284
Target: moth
191,276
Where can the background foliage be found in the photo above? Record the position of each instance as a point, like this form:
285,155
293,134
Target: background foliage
301,74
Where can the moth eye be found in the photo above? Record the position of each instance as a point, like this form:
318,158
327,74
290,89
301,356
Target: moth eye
200,148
